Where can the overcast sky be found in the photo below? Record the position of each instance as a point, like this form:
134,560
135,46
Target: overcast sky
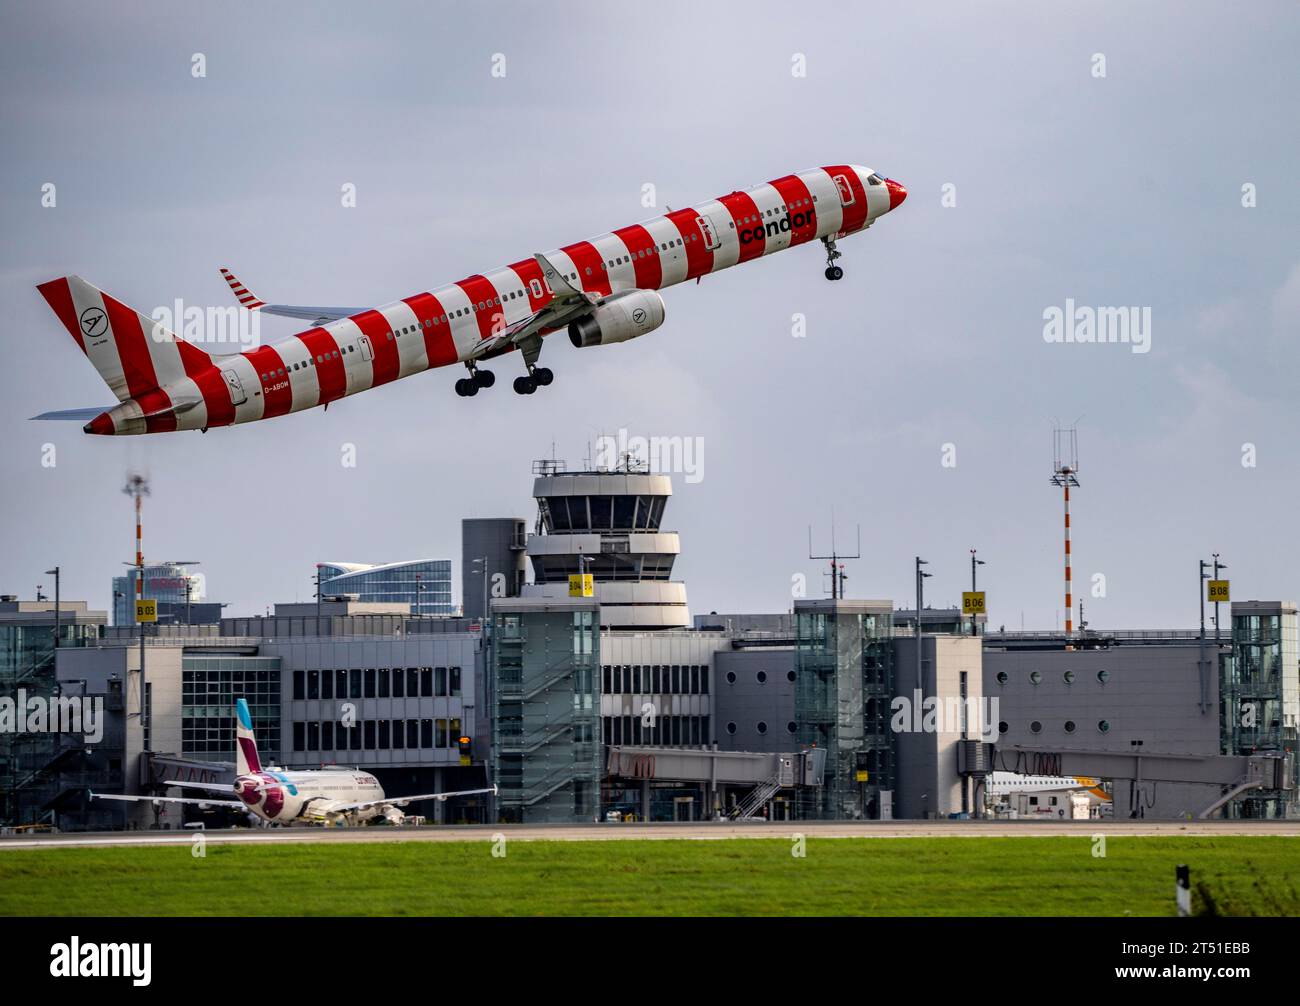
1117,190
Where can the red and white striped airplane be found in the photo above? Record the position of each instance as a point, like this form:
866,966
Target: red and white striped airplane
602,291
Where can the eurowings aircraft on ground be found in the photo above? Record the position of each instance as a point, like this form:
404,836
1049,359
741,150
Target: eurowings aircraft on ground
327,796
601,291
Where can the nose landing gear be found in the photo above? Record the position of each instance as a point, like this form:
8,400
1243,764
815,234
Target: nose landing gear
833,272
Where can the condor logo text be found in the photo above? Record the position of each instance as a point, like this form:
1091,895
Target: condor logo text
773,227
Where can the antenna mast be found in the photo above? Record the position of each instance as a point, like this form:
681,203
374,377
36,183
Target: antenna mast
1065,470
838,576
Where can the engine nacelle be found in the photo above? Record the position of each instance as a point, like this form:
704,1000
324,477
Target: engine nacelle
621,317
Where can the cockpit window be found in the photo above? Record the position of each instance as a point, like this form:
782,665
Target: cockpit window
875,179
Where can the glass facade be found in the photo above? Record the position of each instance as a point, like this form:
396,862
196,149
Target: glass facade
545,729
164,583
623,512
209,688
613,565
657,684
425,584
27,664
331,735
1259,698
844,681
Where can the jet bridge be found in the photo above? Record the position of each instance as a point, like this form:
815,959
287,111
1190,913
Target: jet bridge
157,770
1234,774
761,774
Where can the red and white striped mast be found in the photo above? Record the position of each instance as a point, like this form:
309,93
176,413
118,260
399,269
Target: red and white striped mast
1065,467
137,487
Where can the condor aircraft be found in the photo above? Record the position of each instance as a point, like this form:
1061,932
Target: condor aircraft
327,796
601,291
1008,783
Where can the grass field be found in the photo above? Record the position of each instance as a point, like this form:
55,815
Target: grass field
904,876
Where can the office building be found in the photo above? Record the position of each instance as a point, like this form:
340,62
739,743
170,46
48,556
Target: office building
177,590
424,585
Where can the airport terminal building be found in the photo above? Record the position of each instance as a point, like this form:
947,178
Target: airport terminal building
579,684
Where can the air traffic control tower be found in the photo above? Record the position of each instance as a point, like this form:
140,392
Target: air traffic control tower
608,523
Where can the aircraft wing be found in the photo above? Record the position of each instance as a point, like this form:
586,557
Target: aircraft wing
567,303
402,801
211,787
316,315
167,799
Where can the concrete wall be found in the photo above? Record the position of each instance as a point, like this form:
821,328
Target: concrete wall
748,701
491,537
928,783
1151,694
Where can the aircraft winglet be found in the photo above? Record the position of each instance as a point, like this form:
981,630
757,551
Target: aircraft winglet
242,293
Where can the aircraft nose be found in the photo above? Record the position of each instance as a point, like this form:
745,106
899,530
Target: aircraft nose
897,193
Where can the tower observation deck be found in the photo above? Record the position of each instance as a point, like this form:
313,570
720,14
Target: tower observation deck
608,523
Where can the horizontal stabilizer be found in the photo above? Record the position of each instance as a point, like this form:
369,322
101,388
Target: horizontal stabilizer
81,415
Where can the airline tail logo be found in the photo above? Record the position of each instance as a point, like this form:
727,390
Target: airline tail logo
94,323
246,760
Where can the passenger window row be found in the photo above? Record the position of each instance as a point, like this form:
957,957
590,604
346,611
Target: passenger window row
498,301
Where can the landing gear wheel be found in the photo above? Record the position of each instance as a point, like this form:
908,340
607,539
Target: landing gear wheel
525,385
833,272
484,378
466,387
543,376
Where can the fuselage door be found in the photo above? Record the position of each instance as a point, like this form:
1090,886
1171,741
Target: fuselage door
712,235
367,352
845,190
237,396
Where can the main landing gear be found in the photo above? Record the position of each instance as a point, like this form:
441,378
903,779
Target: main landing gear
833,272
467,387
537,377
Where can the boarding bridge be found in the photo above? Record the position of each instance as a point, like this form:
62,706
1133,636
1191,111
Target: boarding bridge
157,770
763,774
1236,774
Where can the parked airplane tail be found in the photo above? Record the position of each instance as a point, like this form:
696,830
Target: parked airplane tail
246,760
133,353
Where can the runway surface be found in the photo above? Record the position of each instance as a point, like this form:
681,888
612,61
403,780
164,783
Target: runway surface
694,832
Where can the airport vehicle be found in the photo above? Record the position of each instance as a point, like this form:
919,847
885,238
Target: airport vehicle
281,796
601,291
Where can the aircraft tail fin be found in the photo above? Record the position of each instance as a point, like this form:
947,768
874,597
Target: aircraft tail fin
133,353
246,760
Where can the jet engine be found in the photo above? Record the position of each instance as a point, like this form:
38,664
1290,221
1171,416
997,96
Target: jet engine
619,318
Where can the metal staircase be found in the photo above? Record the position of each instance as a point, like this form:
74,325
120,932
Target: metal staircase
758,796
